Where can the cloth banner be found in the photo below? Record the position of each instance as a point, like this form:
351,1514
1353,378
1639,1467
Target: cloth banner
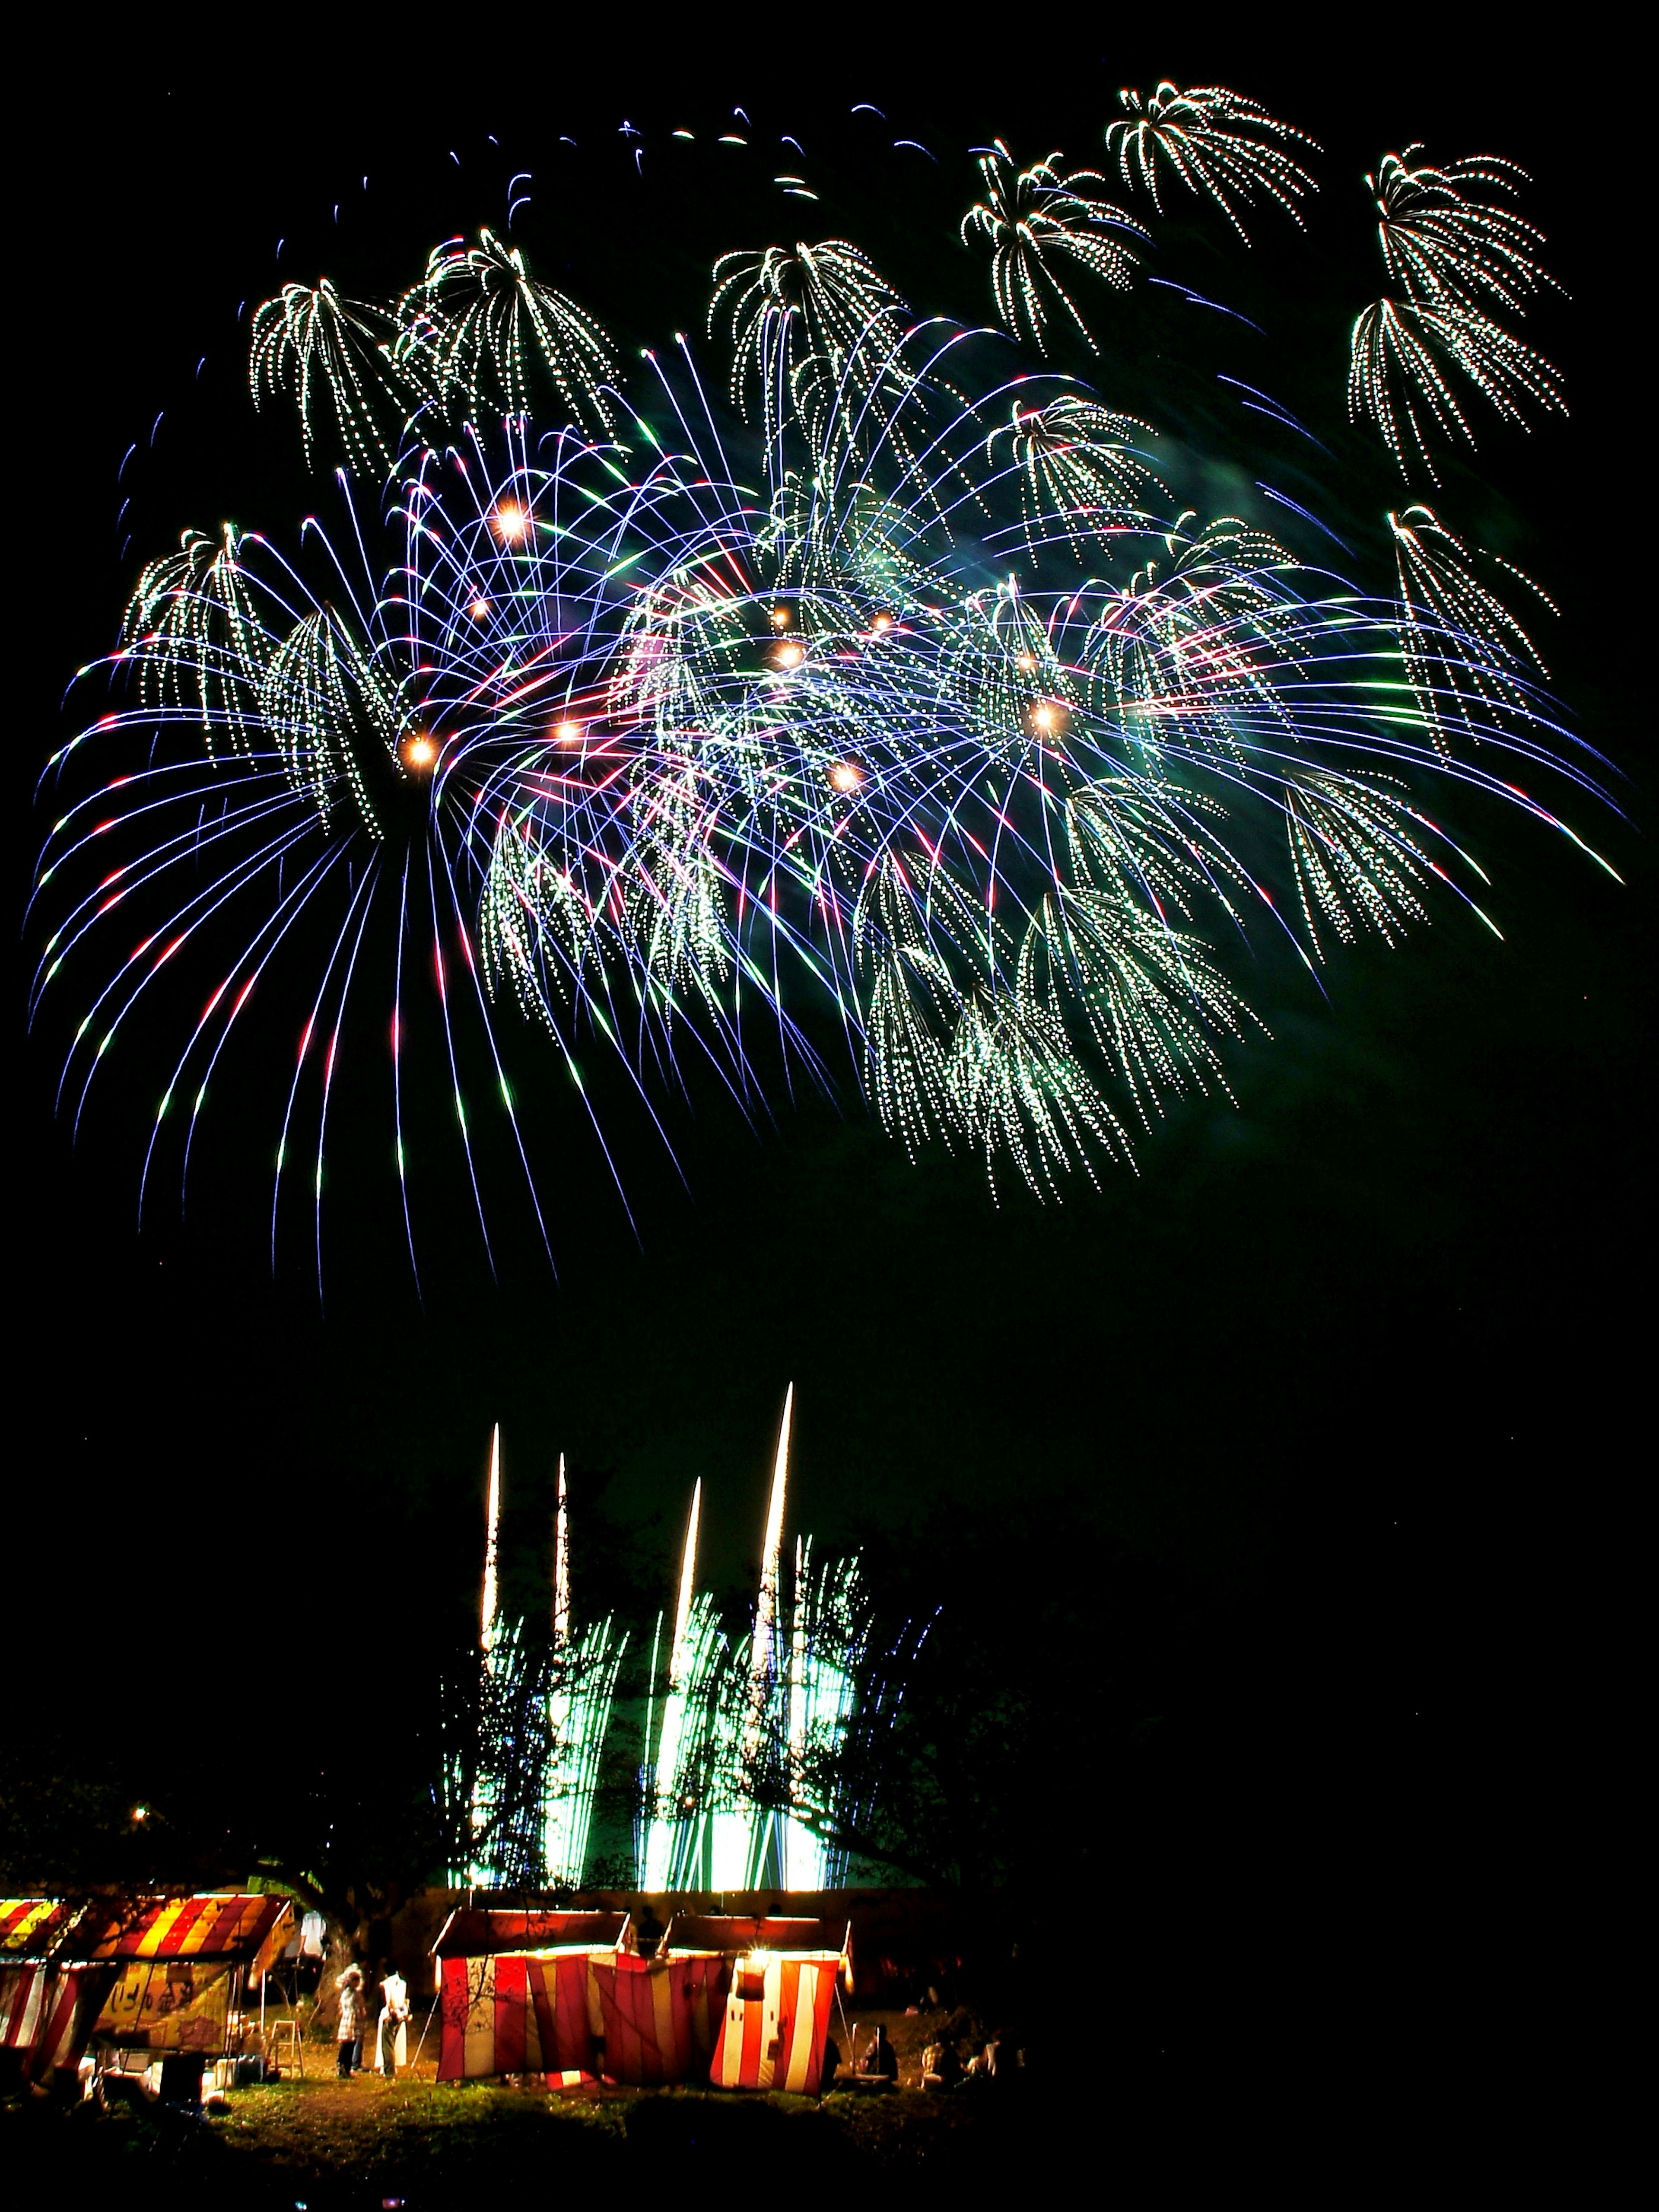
46,2013
658,2017
776,2019
168,2004
516,2014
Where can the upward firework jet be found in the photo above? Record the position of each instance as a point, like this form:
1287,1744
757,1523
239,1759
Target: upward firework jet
916,736
746,1777
530,1774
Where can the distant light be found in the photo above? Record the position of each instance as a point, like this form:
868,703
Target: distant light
141,1812
479,609
791,655
1026,663
511,523
779,617
881,625
846,775
1048,718
418,752
569,734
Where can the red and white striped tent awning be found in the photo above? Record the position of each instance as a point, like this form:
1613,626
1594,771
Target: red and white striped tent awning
46,2009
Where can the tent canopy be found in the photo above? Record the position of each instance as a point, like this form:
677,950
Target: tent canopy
732,1933
35,1929
240,1931
484,1931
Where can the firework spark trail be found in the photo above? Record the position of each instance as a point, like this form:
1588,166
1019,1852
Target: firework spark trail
926,711
1458,254
1219,143
1032,219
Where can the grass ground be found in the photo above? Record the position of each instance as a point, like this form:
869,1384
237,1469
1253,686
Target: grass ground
320,2142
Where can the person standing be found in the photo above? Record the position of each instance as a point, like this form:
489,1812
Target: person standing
349,2033
392,2035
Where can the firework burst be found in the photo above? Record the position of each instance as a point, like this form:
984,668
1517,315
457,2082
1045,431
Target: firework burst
919,735
1035,222
1458,254
333,356
1218,144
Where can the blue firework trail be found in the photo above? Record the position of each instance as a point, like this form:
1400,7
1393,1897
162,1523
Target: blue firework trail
890,712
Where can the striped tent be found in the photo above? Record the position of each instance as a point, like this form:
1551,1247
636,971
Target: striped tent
659,2017
776,2022
517,2012
46,2009
177,1963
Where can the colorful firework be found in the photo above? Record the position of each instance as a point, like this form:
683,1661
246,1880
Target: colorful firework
921,732
1082,465
1217,143
802,321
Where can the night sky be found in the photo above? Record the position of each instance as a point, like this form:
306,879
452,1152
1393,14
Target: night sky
1305,1445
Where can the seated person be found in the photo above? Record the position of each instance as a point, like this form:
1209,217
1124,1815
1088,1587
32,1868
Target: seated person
940,2066
880,2061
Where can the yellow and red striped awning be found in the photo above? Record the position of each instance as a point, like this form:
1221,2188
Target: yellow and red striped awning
34,1926
244,1930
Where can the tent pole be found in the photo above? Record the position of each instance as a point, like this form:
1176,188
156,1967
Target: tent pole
420,2045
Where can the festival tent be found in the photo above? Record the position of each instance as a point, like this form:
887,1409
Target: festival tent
180,1966
780,1986
515,1993
657,2019
47,2006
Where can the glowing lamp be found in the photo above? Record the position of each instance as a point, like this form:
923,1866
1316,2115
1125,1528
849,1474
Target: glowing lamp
846,776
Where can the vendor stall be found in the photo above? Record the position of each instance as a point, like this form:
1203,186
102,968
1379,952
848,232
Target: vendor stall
779,1978
182,1968
47,2000
515,1995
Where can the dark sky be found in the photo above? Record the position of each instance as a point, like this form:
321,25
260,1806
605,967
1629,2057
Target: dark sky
1349,1364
